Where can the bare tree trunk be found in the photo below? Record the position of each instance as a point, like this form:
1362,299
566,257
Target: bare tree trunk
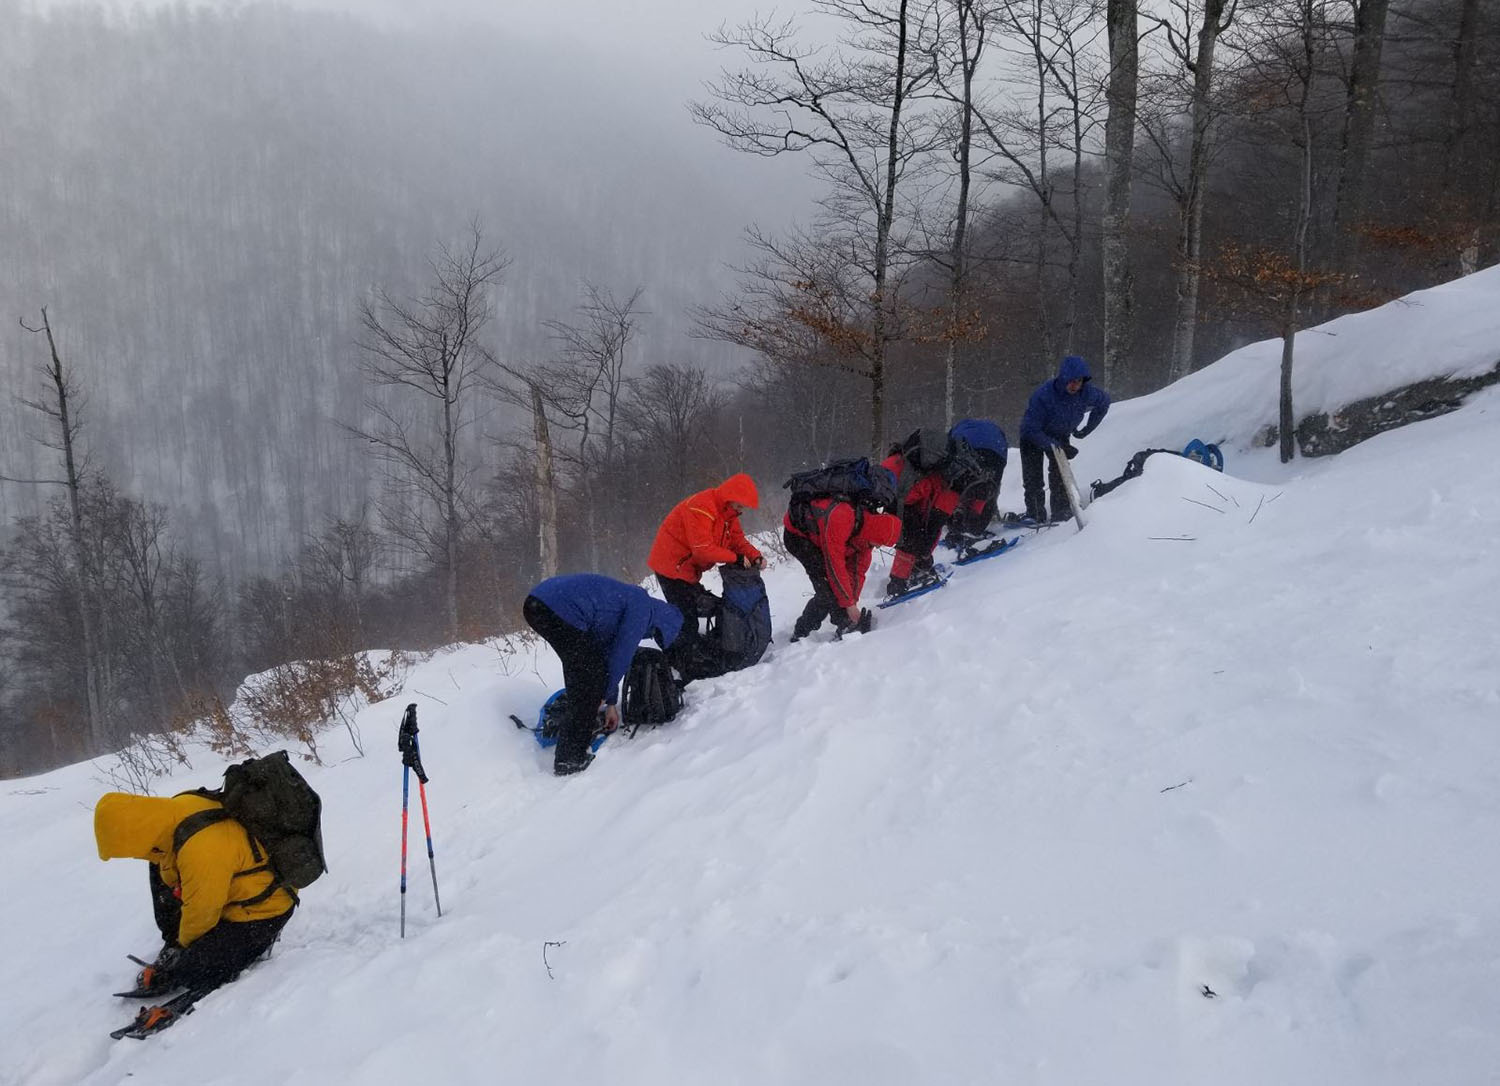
887,217
1119,147
1044,193
546,488
1287,414
1190,232
1359,128
968,61
450,514
88,581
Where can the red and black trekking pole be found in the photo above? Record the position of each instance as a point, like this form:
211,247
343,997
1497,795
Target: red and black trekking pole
411,758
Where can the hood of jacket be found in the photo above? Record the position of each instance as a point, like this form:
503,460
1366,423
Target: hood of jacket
980,434
738,488
1073,368
130,827
882,529
666,622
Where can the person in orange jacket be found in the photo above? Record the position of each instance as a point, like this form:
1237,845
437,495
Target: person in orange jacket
699,533
833,538
216,901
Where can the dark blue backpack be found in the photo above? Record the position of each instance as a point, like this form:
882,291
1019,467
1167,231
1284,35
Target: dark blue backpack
739,630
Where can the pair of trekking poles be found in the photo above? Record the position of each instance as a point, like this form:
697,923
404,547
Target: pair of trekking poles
411,759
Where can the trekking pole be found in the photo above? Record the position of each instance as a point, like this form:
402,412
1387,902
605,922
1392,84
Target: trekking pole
411,759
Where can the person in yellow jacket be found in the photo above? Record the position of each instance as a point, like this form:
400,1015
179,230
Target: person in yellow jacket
216,901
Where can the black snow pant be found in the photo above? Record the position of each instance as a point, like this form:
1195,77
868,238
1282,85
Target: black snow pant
585,676
218,955
823,604
1031,482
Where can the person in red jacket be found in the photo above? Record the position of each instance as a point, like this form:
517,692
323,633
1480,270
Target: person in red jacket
833,538
699,533
927,500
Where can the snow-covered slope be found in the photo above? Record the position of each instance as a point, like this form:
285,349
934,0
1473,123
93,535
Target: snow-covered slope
1207,793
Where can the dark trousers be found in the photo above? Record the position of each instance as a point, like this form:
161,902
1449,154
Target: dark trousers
585,676
218,955
1031,482
823,602
920,529
684,595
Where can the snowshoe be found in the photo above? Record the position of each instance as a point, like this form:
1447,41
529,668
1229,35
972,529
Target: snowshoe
992,549
909,588
162,1016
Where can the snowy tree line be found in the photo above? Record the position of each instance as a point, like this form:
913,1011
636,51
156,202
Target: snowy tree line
316,412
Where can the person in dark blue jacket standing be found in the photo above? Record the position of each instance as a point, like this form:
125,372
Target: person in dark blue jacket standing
594,624
1052,420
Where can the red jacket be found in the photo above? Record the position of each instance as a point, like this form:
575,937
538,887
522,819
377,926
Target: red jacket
846,552
702,531
930,492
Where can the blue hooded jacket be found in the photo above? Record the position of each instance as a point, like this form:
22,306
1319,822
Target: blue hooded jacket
982,435
617,615
1052,415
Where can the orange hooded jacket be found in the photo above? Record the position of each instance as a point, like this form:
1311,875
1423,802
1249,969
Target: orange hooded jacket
702,531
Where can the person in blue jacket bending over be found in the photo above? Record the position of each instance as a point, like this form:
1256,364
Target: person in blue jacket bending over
1052,420
594,624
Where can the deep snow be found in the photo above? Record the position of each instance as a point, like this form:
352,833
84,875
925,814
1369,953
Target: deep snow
1237,737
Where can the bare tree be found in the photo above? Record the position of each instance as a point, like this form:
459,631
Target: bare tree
671,412
585,387
1359,130
431,347
62,408
1119,146
1194,54
852,113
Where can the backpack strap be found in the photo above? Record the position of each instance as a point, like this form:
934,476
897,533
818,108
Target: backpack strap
201,820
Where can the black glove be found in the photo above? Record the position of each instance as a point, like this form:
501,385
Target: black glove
866,621
1069,451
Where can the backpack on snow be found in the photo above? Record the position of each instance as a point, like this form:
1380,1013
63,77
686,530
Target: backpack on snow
279,811
739,630
550,719
1196,450
853,480
651,694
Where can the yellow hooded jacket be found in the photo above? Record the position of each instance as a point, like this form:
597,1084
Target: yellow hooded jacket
212,873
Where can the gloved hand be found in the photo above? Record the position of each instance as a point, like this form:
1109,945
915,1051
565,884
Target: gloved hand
1069,450
157,977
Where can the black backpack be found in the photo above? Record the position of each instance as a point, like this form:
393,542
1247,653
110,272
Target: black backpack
279,811
1134,467
651,693
852,480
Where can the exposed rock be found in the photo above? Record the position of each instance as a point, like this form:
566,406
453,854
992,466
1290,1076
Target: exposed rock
1323,434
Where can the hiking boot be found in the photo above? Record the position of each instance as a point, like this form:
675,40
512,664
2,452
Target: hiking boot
896,586
566,767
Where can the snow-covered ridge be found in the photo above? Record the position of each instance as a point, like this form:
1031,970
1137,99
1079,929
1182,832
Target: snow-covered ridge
1202,794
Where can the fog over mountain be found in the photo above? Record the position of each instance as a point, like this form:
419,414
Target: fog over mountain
201,196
